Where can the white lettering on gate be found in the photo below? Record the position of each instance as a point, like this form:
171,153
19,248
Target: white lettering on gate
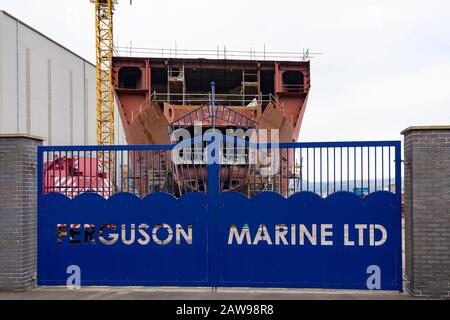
347,242
142,227
361,234
312,237
324,234
280,233
357,234
372,234
262,229
155,234
293,239
239,237
108,235
124,234
179,231
360,228
113,237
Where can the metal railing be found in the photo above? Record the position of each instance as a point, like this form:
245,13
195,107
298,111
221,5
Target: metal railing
78,169
219,112
204,99
328,167
218,53
228,99
322,168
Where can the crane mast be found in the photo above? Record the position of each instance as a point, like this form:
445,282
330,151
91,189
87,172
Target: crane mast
104,88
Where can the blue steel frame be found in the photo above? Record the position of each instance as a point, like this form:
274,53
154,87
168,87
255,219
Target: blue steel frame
214,184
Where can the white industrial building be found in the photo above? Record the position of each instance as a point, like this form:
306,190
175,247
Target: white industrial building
46,90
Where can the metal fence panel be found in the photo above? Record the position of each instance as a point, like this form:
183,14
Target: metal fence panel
322,215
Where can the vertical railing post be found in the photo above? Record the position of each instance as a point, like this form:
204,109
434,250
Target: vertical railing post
213,94
398,195
213,187
398,171
213,213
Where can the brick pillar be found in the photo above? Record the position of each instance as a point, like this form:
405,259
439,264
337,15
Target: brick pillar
18,211
427,210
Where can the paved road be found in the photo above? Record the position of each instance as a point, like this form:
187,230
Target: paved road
43,293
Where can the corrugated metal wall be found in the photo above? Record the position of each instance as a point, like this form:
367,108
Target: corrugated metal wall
45,89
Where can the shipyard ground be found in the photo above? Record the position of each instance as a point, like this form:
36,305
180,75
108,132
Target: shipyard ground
45,293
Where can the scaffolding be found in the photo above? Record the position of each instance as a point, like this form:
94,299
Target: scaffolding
250,86
176,83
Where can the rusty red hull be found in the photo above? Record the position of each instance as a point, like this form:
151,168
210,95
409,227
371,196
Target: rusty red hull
155,93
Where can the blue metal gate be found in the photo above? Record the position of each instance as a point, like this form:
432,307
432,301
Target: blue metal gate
328,215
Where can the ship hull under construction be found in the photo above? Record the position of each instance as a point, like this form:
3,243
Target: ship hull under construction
157,96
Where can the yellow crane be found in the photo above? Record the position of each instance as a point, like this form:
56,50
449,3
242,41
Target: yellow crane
104,10
104,46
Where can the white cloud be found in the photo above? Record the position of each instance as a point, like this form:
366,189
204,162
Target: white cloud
380,107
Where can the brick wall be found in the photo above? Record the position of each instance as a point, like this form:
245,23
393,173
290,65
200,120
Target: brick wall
18,206
427,210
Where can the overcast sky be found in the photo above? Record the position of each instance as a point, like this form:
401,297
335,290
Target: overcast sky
386,63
